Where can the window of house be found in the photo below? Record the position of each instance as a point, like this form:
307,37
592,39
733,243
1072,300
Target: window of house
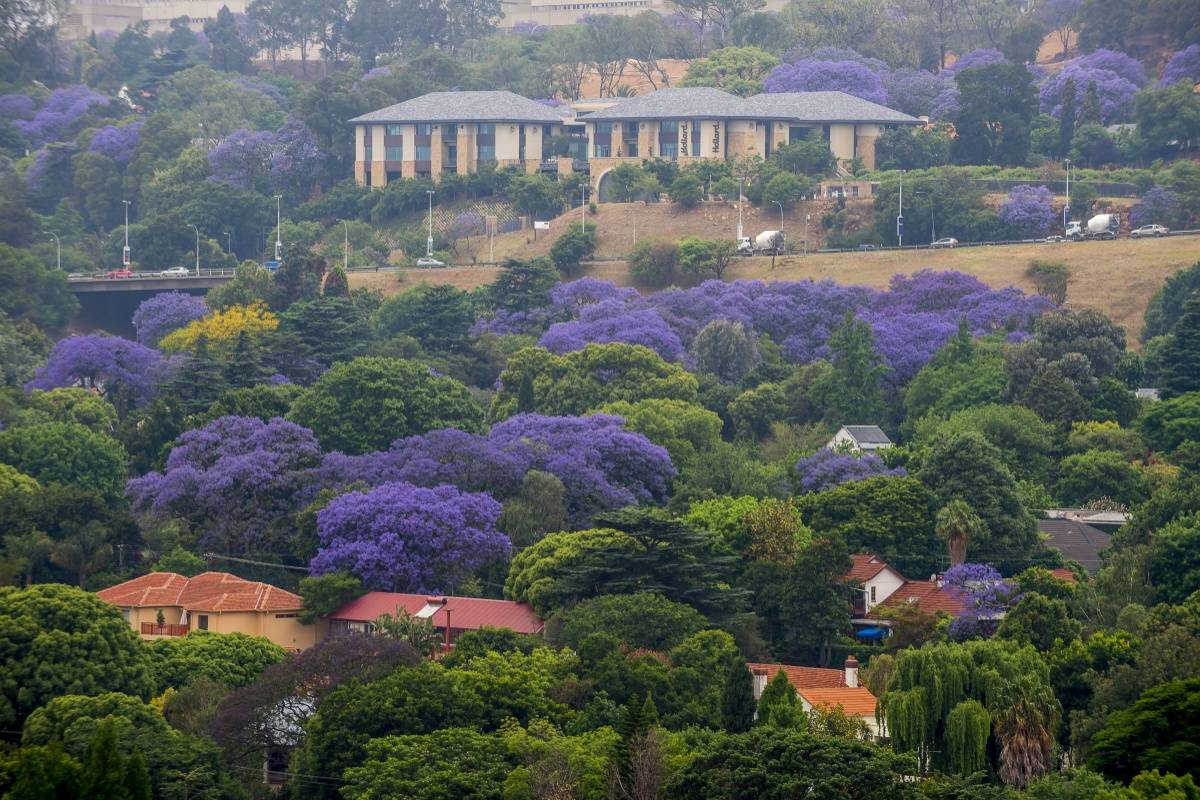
393,130
425,129
603,139
366,152
451,131
422,152
695,137
487,152
202,622
125,613
286,616
487,129
872,595
394,153
668,139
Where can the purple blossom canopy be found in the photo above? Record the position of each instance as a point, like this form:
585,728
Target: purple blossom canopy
269,89
567,298
837,54
601,465
1115,93
103,363
527,27
826,469
231,479
607,322
946,104
1158,205
165,312
1183,66
400,537
286,160
116,142
1123,65
1029,211
914,91
61,110
811,75
15,106
985,596
983,57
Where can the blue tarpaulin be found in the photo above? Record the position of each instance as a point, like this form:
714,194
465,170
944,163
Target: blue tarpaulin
871,633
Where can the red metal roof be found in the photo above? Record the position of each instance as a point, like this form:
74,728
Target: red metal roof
927,594
208,591
866,566
804,677
854,701
466,613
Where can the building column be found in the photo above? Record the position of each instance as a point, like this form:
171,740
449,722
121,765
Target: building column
466,149
360,166
435,153
378,152
408,155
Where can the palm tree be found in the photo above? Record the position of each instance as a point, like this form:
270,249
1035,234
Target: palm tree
1026,716
958,523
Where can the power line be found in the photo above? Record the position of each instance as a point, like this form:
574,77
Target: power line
213,556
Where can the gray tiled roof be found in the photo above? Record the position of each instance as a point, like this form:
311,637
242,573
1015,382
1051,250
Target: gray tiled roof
465,107
822,107
1077,541
708,103
676,104
868,434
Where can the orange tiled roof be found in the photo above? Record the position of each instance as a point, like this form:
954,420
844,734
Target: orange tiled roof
927,594
1064,574
208,591
804,677
854,701
866,566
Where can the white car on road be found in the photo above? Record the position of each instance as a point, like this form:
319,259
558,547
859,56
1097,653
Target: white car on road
175,272
949,241
1148,230
429,262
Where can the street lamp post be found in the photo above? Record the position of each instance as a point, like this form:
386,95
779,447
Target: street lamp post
900,214
583,208
932,214
739,230
229,244
1067,207
429,240
125,259
346,245
58,244
278,223
197,230
776,202
807,217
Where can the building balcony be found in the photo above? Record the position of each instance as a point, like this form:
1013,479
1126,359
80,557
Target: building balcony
154,629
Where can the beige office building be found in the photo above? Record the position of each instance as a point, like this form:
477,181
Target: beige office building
85,17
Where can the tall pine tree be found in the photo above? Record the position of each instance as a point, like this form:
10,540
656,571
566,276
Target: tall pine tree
103,775
1066,117
737,698
1090,112
137,778
1180,372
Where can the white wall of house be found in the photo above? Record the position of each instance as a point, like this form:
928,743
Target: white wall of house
882,586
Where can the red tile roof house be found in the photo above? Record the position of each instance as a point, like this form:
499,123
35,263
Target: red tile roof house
211,601
882,587
451,615
824,688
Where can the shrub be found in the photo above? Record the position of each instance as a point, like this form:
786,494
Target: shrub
652,262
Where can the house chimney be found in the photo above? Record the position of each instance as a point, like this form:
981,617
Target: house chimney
758,679
852,672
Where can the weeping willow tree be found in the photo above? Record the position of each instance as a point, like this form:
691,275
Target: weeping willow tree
971,707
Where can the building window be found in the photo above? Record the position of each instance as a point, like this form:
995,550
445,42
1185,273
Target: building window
202,622
394,152
286,616
872,595
366,152
487,152
393,130
695,137
451,131
603,139
668,139
125,613
422,152
425,130
487,129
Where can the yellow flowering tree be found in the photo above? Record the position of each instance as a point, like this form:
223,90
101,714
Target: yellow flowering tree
222,328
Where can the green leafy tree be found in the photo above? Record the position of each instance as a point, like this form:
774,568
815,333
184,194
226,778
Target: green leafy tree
535,196
1166,304
705,257
851,392
652,262
574,246
537,508
1170,423
1040,621
230,52
30,290
1160,730
997,104
535,379
638,620
324,594
958,524
438,317
103,775
363,405
227,659
1100,473
67,453
456,762
686,190
737,698
964,373
785,189
328,329
91,645
1180,357
738,70
522,285
1025,442
1166,116
40,773
1174,564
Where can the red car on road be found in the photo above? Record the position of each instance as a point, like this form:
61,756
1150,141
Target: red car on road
123,272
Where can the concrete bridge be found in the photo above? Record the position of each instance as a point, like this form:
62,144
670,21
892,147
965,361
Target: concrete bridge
150,282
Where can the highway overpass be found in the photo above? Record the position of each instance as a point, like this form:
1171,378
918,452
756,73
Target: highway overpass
97,283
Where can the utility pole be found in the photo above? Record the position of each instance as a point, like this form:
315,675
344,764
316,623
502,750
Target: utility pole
229,244
345,245
125,260
807,217
776,202
583,209
739,228
58,243
900,215
1067,207
197,230
429,240
278,223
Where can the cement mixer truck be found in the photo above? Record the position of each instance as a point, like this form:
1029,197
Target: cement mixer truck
766,243
1101,226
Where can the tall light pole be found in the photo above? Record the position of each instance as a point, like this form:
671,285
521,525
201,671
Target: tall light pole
807,217
58,243
900,214
229,244
278,223
1067,207
429,240
932,214
776,202
197,230
125,260
583,208
346,245
739,230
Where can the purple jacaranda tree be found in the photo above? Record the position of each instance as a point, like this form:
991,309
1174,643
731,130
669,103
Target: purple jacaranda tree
122,371
466,223
826,469
15,106
1183,66
242,158
62,109
165,312
607,322
567,298
116,142
836,54
1114,92
1028,210
295,159
946,105
235,480
401,537
602,466
985,597
1158,205
809,75
914,91
284,161
1114,61
269,89
983,57
527,28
